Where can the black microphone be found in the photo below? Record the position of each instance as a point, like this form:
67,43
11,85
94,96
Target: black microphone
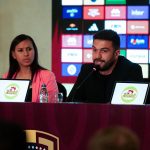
94,69
88,75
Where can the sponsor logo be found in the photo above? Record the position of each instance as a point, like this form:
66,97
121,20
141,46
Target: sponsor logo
137,41
134,27
137,55
115,12
87,55
11,91
88,41
41,140
73,26
71,55
93,27
72,12
129,94
94,12
71,40
138,27
70,69
118,26
137,13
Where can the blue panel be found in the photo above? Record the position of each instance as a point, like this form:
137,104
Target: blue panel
122,41
72,12
88,41
137,41
138,12
70,69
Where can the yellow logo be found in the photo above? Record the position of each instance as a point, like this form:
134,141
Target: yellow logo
41,140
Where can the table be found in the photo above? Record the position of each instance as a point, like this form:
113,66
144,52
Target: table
70,126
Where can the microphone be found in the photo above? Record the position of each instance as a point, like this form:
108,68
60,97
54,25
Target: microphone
89,74
94,69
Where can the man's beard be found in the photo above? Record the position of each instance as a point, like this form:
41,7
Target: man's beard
106,67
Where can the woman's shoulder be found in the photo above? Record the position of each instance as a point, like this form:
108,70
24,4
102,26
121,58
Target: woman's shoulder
45,73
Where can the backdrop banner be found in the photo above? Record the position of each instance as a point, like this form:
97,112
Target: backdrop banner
70,126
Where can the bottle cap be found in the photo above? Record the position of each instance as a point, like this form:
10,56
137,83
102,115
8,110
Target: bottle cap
43,85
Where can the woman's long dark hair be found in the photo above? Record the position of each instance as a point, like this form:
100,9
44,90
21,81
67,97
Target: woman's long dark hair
13,64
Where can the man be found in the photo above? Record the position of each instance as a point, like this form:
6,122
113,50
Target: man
96,86
114,138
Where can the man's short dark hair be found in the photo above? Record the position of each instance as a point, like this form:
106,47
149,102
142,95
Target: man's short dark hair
109,35
114,138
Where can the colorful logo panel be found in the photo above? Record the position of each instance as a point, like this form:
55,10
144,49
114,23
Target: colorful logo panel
74,41
72,12
138,12
70,69
91,27
93,12
87,56
122,41
116,25
115,1
115,12
137,27
87,41
71,55
137,41
137,56
72,26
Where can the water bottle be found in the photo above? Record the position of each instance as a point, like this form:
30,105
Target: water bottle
43,94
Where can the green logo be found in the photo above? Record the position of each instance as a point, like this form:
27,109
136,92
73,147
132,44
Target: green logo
129,94
115,1
11,91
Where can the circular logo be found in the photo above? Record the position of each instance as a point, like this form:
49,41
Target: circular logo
71,69
11,91
129,94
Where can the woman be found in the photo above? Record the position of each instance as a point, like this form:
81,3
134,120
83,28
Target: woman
23,64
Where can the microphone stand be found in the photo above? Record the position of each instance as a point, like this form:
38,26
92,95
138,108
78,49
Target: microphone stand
89,74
